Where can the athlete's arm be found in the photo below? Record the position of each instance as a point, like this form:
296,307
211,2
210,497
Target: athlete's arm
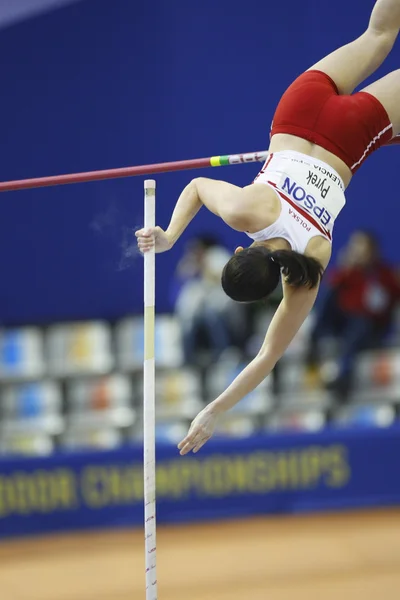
223,199
290,315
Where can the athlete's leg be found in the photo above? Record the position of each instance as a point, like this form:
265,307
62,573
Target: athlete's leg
387,91
352,64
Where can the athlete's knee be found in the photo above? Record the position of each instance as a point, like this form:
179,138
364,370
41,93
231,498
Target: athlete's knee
385,16
381,40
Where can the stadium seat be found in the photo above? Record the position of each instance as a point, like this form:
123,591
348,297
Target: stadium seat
238,426
365,415
89,435
79,348
33,407
21,354
130,341
178,394
293,377
377,396
312,400
297,420
15,441
166,431
378,369
103,400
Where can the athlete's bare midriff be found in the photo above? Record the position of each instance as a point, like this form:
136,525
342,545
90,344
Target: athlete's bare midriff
283,141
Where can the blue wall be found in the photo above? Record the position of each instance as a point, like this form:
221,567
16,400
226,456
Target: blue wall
104,84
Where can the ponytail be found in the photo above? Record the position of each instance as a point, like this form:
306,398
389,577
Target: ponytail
298,270
255,272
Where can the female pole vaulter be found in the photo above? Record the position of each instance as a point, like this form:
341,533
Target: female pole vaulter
321,134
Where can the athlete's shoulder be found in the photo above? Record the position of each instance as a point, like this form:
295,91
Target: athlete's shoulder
320,249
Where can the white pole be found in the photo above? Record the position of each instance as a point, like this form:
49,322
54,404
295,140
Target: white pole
149,446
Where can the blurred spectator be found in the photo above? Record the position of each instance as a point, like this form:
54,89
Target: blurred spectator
191,264
358,309
211,322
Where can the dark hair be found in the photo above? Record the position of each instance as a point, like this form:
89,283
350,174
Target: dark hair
254,273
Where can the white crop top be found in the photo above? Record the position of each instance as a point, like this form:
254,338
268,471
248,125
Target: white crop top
311,195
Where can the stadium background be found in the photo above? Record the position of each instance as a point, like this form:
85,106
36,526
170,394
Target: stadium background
98,84
102,84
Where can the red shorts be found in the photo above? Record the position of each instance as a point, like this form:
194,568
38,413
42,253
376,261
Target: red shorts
349,126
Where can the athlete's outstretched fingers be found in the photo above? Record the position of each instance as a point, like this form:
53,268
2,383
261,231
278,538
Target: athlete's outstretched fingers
186,444
193,439
200,431
200,445
186,448
183,442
